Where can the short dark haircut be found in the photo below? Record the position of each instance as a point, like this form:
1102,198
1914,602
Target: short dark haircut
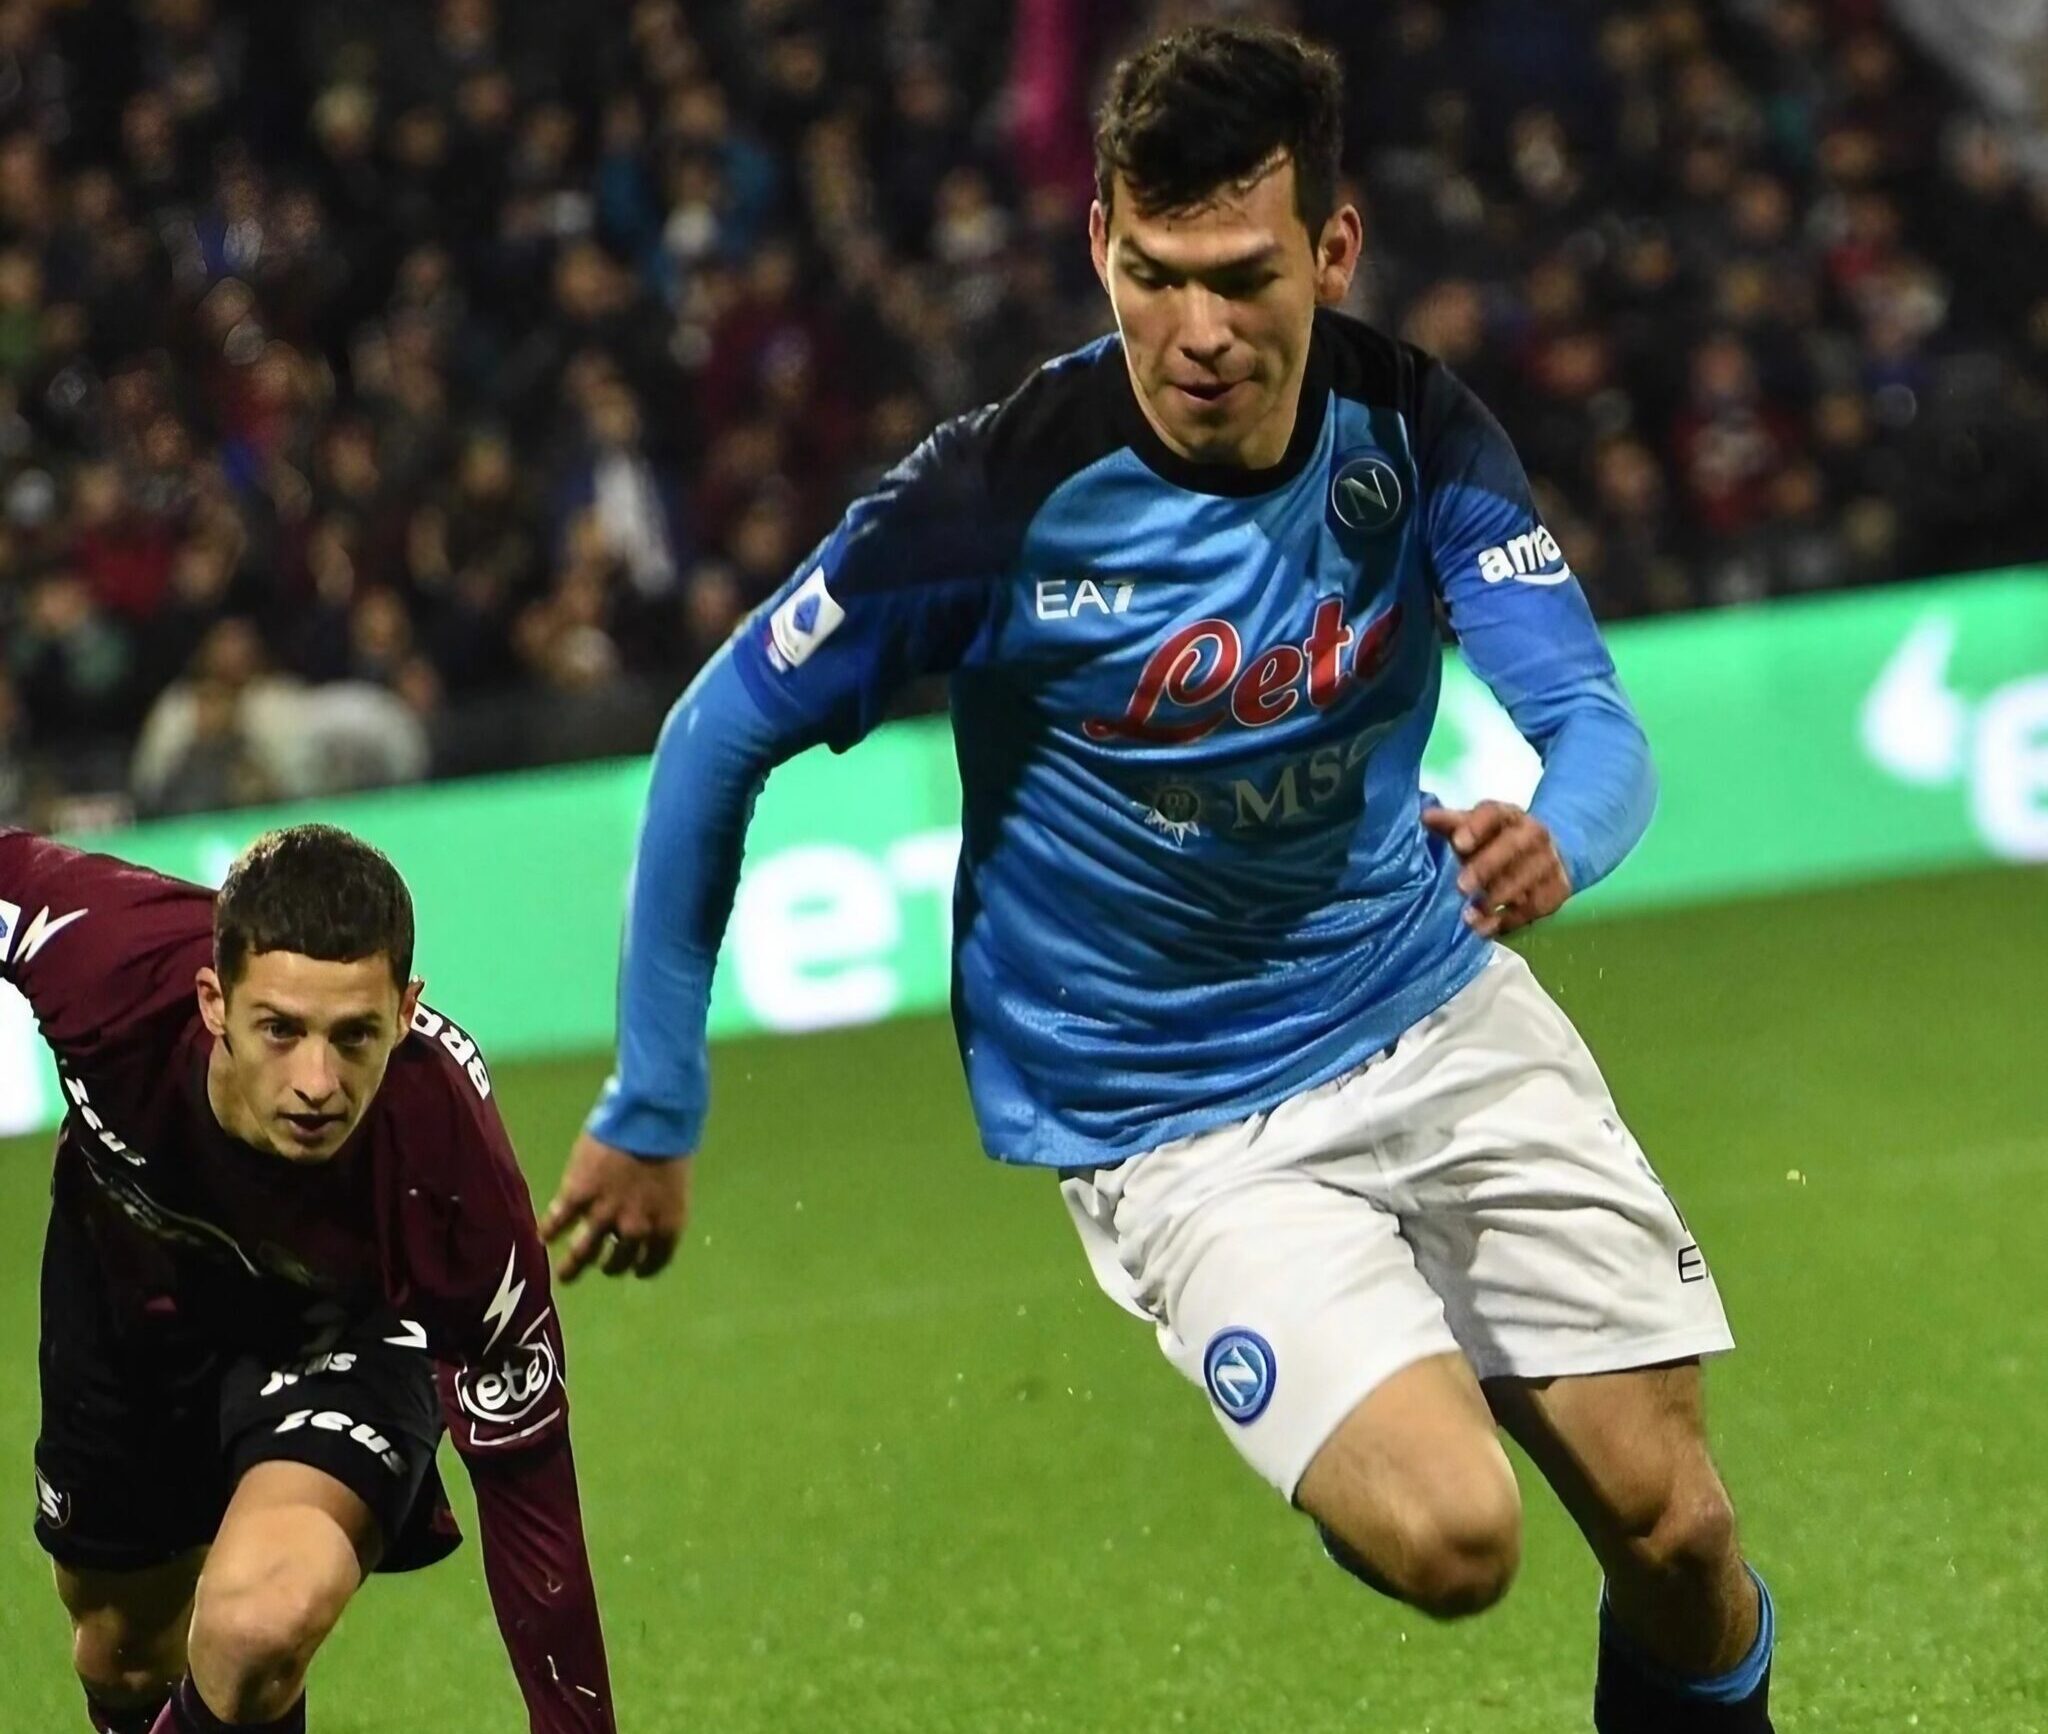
1210,107
317,891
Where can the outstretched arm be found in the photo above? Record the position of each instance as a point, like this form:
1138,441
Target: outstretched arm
476,1277
1524,628
899,589
538,1571
504,1395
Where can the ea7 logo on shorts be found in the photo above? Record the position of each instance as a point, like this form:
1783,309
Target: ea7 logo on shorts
1239,1370
54,1506
334,1421
1532,559
807,617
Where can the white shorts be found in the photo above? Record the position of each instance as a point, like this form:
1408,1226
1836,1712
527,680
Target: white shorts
1472,1189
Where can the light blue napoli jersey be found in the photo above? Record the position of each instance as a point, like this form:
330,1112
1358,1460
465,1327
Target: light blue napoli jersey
1190,704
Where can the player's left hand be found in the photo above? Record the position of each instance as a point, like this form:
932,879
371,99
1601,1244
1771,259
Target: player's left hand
1512,871
628,1210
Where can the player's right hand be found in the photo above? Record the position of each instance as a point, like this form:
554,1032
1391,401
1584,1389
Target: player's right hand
628,1210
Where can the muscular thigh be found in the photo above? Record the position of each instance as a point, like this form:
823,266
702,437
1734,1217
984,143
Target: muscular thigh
288,1516
293,1549
1419,1447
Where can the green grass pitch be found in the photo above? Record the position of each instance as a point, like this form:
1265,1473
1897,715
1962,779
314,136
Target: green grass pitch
876,1456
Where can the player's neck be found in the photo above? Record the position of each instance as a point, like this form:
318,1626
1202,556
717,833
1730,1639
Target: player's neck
1264,447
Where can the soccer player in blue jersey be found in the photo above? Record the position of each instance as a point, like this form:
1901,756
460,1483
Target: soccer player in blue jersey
1219,962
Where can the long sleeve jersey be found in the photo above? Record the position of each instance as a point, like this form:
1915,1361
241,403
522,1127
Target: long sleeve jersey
1190,703
422,1219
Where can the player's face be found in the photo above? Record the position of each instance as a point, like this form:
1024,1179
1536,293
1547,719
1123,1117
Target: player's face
301,1044
1216,305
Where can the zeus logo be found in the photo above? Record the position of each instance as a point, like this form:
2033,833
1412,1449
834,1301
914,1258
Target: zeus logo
285,1377
1531,559
334,1421
1202,673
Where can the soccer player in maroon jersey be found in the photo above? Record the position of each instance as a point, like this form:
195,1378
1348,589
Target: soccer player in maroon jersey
288,1244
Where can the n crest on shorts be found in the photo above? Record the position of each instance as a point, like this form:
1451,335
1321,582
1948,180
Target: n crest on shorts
1239,1370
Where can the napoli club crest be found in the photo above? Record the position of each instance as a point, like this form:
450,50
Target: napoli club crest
1366,495
1239,1370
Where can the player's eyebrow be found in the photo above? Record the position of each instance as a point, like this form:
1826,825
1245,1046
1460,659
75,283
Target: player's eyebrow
1132,253
370,1022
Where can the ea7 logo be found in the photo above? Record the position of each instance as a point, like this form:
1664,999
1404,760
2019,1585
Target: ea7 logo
1531,559
1070,598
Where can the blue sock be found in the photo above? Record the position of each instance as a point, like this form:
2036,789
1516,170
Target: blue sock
1635,1694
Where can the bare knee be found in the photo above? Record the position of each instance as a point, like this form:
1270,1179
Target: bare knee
1460,1555
1687,1535
128,1629
121,1664
255,1628
1450,1549
1415,1496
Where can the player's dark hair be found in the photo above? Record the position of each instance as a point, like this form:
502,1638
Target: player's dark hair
317,891
1209,107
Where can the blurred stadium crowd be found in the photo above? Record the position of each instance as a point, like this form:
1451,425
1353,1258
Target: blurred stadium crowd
395,387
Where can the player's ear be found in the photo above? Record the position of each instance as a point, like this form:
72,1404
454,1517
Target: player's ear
1338,250
213,1002
409,1003
1098,242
